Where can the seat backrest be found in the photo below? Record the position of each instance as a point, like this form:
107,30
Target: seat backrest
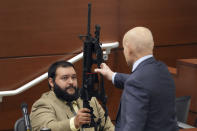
19,125
182,108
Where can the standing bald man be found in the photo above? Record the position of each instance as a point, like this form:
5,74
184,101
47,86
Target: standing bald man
148,98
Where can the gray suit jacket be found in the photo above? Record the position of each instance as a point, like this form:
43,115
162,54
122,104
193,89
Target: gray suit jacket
148,99
51,112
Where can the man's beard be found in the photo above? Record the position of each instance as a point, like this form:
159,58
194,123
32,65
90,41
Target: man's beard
63,95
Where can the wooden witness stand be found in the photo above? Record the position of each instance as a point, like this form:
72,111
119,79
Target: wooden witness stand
185,77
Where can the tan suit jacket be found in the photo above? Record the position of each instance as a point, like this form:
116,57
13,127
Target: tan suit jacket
51,112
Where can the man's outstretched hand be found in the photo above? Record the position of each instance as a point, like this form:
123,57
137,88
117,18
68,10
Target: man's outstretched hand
105,71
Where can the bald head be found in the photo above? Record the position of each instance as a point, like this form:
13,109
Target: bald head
140,39
139,42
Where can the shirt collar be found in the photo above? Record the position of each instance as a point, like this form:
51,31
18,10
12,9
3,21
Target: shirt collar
136,63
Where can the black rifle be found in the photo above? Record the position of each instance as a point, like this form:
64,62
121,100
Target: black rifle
92,54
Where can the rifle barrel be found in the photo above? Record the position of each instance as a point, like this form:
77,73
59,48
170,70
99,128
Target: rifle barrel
89,15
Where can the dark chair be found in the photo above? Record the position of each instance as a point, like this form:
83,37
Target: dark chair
182,111
182,108
19,125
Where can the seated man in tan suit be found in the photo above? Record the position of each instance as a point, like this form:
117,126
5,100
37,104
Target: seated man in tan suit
61,109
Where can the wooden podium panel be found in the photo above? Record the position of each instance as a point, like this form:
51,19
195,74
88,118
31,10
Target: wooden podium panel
185,77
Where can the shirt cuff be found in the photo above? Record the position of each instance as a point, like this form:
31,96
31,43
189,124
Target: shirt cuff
72,124
113,77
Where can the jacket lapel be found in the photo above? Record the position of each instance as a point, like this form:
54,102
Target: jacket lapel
80,103
62,105
68,111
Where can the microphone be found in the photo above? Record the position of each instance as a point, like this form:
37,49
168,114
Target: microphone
26,116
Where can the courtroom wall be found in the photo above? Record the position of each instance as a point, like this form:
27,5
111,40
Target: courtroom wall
33,34
172,22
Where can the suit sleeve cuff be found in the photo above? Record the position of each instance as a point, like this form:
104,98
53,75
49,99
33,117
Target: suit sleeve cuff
72,124
113,77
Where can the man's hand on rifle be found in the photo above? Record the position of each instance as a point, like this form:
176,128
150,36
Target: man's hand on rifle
83,117
105,71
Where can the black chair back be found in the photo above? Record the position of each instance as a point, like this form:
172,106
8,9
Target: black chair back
182,108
